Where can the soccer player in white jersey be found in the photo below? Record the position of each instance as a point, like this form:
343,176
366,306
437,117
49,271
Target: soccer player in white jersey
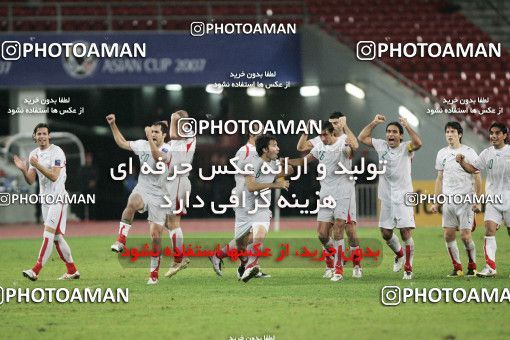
339,121
393,186
147,194
253,218
453,180
496,161
182,150
48,164
329,152
244,156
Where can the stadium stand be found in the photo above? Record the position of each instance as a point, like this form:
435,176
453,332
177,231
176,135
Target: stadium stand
348,20
423,21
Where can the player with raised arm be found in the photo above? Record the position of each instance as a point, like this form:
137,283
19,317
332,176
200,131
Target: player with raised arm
393,185
182,150
147,194
48,163
243,156
496,162
453,180
253,218
342,131
329,152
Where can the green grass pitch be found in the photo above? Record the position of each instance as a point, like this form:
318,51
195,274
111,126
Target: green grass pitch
296,303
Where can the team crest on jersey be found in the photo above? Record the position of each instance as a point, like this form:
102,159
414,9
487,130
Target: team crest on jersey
57,162
164,150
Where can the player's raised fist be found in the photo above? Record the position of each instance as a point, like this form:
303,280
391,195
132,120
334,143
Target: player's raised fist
349,141
342,121
379,118
148,132
460,158
403,122
179,114
110,119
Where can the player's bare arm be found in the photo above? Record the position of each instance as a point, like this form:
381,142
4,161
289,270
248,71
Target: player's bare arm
283,173
174,124
461,159
352,141
117,135
304,143
415,139
301,161
29,174
352,145
438,190
478,189
365,136
52,174
253,185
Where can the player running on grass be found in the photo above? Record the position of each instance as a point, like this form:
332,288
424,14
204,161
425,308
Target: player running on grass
339,121
453,180
147,194
393,186
496,161
244,156
253,220
182,150
48,163
329,152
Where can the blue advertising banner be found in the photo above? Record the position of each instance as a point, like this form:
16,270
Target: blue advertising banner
52,60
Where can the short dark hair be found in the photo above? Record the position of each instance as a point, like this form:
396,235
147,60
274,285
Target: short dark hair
41,126
455,126
262,142
327,126
336,114
399,127
502,127
164,129
163,125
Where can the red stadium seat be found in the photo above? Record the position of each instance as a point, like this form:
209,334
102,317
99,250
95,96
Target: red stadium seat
411,21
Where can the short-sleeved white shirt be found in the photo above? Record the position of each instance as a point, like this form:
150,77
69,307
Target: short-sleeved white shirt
149,183
181,152
396,181
262,213
330,156
244,155
455,179
53,156
497,164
